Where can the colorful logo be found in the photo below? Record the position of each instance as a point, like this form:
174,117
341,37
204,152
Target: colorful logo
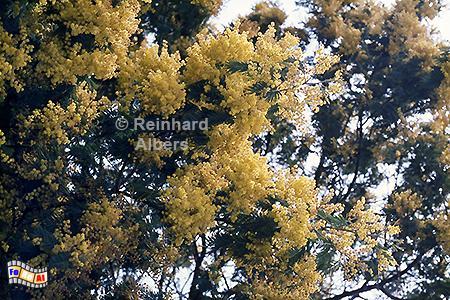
21,273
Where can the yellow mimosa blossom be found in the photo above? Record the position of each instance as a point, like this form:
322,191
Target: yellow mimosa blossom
212,6
154,79
14,56
54,122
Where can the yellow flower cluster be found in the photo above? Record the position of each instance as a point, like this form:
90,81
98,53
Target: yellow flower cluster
442,223
192,199
227,176
338,27
248,176
211,51
365,225
445,157
267,62
385,260
211,6
100,239
64,65
240,174
410,35
373,15
54,122
190,209
110,26
294,218
49,171
300,284
14,56
442,111
407,32
2,138
406,202
192,202
230,177
153,79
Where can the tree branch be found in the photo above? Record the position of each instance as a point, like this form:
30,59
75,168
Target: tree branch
378,285
194,292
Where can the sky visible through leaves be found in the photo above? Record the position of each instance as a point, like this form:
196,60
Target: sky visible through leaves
233,9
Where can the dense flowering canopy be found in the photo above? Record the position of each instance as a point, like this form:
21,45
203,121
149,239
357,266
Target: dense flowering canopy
79,198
